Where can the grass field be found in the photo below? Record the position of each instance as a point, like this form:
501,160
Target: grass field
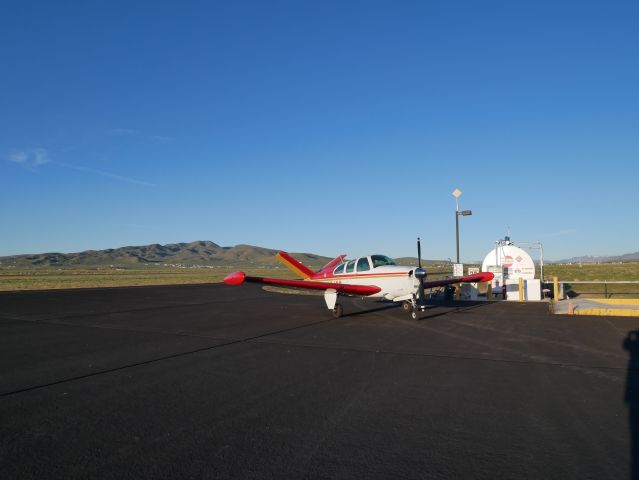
56,278
49,278
597,273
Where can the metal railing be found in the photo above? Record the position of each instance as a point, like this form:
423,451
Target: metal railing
607,291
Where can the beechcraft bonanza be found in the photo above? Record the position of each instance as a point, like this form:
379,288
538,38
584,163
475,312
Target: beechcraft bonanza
373,276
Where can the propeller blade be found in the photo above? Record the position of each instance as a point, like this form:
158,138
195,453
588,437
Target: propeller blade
420,273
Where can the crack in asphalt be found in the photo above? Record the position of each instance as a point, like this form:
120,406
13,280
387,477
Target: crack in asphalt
159,359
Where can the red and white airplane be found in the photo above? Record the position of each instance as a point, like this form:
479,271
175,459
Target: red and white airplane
373,276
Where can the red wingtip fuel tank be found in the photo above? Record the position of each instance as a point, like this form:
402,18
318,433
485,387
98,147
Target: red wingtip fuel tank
486,276
235,278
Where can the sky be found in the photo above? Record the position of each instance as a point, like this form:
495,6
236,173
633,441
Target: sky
326,127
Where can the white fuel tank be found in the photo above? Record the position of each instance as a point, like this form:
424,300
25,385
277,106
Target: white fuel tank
514,262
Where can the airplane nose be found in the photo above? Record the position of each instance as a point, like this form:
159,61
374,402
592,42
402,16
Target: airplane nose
419,273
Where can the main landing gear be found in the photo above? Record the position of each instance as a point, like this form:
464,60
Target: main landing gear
331,296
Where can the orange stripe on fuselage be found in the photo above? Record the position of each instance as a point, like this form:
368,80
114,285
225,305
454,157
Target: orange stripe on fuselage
370,275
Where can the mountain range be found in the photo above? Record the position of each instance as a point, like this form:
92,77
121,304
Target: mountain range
628,257
204,253
207,253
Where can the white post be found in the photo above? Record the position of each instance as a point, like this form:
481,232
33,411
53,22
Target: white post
541,261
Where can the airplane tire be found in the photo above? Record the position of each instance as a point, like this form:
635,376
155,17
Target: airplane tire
337,311
407,306
413,314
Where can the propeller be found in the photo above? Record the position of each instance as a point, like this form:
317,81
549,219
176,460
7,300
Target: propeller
419,272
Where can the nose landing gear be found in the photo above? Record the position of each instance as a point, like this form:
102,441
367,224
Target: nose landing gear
413,307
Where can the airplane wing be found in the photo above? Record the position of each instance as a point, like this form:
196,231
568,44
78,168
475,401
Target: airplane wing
476,277
237,278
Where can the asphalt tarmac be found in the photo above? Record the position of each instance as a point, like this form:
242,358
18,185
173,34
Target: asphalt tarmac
211,381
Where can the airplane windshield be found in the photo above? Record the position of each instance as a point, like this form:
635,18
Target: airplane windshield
350,266
380,260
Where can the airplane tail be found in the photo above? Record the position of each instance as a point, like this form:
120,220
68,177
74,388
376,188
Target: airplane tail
328,268
297,267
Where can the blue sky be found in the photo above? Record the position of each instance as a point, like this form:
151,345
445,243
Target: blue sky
326,127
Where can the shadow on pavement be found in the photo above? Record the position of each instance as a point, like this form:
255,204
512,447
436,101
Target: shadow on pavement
379,308
453,308
631,344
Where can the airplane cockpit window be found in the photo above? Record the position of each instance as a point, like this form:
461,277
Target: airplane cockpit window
380,260
339,269
350,266
363,265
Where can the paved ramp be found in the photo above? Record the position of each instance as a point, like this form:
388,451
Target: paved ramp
624,307
222,382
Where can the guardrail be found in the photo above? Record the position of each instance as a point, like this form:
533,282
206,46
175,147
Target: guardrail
606,291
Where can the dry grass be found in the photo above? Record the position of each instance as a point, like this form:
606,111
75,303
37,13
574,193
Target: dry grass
45,279
57,278
595,272
598,274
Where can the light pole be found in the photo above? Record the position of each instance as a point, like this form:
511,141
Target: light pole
464,213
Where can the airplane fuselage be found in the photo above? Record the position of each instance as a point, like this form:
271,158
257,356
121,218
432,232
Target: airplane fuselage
394,281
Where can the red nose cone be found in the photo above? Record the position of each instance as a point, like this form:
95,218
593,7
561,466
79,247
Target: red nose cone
235,278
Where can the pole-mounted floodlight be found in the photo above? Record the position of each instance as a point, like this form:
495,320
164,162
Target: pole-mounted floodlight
464,213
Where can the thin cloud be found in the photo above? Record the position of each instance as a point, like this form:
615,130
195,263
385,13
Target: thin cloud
130,132
124,131
161,138
105,174
30,158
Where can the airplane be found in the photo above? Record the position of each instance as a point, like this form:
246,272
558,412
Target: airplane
372,276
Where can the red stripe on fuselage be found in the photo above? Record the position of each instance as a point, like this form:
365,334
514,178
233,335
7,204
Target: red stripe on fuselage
351,276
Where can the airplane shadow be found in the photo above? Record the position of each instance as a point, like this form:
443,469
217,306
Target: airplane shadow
450,307
631,398
385,306
455,307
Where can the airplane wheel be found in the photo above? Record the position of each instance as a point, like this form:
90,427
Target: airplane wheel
337,311
413,314
407,306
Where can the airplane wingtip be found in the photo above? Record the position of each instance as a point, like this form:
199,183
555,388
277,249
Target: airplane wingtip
235,278
487,276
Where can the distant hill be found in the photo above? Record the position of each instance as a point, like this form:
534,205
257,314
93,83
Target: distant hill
199,253
204,253
207,253
628,257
